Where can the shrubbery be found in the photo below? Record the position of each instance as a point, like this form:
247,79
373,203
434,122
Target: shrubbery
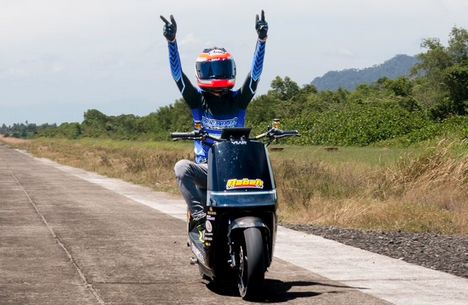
358,125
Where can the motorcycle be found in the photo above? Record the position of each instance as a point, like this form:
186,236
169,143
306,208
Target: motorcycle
241,203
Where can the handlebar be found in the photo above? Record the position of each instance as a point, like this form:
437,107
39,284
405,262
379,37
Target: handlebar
193,135
275,133
272,134
287,134
183,135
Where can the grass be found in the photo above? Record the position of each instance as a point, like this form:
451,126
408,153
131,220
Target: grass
418,189
370,156
421,191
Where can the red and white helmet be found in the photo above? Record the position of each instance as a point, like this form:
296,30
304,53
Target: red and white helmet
215,69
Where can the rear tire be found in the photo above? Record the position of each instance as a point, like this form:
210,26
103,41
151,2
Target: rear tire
251,262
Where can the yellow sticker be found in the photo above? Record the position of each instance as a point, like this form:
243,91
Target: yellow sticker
244,184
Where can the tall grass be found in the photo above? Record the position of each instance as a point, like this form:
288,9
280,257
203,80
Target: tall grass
427,192
368,188
147,163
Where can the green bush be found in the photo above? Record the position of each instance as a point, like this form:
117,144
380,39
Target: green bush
358,125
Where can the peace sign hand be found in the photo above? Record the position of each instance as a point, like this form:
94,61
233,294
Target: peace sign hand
261,26
170,28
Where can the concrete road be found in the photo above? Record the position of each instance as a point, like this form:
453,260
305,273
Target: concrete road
64,240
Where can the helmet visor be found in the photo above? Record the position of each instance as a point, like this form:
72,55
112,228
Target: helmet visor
218,69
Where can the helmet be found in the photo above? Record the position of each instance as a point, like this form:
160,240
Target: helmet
215,69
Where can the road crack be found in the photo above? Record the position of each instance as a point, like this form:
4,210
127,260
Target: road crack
57,239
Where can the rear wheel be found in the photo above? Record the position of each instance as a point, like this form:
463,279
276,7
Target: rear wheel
251,263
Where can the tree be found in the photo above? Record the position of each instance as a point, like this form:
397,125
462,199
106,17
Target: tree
94,124
458,46
434,61
400,87
309,89
443,86
456,81
284,89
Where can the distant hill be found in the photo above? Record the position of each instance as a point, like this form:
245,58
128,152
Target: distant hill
395,67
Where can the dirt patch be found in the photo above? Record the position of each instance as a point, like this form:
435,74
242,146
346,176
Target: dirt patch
12,140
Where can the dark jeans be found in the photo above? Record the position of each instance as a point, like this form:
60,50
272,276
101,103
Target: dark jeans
192,180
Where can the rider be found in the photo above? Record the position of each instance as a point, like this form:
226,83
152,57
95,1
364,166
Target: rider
214,106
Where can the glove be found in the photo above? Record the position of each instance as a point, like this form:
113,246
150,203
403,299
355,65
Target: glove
261,26
170,28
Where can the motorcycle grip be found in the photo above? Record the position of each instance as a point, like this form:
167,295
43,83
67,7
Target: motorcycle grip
291,133
182,135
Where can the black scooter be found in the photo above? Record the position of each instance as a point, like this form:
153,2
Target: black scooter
241,203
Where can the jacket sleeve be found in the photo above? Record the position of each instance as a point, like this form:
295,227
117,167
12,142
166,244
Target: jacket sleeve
248,89
190,94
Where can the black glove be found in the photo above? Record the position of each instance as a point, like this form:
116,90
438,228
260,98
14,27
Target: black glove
170,28
261,26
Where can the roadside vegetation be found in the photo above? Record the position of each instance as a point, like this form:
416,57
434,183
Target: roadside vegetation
392,155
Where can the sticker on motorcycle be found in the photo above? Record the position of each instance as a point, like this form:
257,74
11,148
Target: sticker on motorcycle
244,184
208,226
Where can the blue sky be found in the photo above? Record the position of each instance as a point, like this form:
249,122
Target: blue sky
59,58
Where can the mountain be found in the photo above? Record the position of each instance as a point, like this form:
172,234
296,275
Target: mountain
349,79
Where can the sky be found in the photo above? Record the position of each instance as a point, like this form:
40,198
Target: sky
59,58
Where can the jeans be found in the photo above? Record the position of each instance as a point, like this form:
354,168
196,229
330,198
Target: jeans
192,180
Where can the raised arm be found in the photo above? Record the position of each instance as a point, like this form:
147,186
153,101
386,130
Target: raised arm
191,95
249,88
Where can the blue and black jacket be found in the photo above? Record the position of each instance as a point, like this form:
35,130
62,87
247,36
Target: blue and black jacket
215,113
